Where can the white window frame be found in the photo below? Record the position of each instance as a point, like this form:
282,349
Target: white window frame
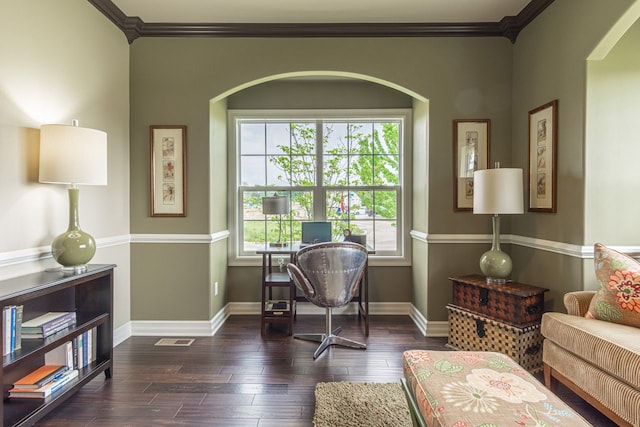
235,202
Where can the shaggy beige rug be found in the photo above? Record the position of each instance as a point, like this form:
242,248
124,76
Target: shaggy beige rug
346,404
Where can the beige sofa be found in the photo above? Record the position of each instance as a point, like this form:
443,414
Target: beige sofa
598,360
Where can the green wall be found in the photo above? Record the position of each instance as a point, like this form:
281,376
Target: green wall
550,62
173,81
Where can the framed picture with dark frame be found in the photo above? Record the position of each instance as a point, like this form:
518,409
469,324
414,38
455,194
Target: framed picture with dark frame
543,153
471,141
168,145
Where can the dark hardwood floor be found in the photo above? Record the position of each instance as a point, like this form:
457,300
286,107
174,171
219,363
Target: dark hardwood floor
238,378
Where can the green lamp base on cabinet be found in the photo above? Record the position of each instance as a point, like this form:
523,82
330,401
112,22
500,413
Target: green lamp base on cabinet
74,248
496,265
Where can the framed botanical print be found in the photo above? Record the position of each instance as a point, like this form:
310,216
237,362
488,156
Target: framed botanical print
543,153
471,139
168,171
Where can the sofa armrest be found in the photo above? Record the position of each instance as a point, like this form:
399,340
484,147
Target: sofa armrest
577,303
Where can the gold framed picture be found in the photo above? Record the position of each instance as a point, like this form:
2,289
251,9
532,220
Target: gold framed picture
543,153
168,170
471,140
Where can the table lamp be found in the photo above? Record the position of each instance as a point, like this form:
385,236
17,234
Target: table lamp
75,156
276,205
497,192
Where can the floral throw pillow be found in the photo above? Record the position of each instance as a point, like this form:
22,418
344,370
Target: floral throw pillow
618,299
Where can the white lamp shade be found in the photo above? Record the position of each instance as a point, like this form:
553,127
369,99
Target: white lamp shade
73,155
498,191
275,205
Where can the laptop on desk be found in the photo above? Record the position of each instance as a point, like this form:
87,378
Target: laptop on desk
315,232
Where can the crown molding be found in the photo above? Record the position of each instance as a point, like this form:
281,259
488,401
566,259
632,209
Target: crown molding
134,27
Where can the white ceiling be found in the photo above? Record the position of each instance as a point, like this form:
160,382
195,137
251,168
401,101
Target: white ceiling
320,11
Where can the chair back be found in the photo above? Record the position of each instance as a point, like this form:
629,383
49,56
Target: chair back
329,273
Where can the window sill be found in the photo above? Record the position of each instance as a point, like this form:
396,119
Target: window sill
374,261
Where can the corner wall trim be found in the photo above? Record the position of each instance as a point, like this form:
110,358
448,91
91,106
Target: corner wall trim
428,328
121,334
418,235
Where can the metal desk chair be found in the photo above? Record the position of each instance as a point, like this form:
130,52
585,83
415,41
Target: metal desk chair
329,275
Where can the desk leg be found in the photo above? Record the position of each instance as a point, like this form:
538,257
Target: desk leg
363,299
264,293
366,299
292,299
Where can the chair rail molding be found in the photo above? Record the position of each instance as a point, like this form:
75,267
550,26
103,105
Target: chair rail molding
181,238
44,252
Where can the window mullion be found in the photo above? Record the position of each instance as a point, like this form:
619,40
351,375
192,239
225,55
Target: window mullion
318,193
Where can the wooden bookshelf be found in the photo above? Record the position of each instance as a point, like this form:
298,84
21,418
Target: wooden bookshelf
276,277
90,295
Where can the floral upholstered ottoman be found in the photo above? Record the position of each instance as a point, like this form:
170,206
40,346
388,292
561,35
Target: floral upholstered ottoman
465,389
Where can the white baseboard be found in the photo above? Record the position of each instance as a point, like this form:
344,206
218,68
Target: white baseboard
376,308
177,328
121,334
172,328
418,319
428,328
437,328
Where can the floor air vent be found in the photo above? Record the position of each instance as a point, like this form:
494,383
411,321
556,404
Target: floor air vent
175,342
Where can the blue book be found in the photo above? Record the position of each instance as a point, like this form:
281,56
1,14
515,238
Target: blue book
13,328
85,349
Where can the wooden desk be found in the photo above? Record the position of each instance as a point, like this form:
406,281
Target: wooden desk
272,279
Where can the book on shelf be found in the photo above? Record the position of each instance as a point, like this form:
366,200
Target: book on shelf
48,323
17,327
47,389
40,335
41,376
77,353
276,307
12,328
61,355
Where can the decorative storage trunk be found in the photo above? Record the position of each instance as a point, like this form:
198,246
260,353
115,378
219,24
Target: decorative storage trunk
472,332
514,303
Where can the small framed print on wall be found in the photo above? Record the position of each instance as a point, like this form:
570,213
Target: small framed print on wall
471,139
543,150
168,170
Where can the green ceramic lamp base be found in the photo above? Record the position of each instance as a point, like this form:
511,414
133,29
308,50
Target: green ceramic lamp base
495,264
74,248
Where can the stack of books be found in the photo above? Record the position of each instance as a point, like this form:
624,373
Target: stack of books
48,324
43,382
12,328
76,353
276,307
